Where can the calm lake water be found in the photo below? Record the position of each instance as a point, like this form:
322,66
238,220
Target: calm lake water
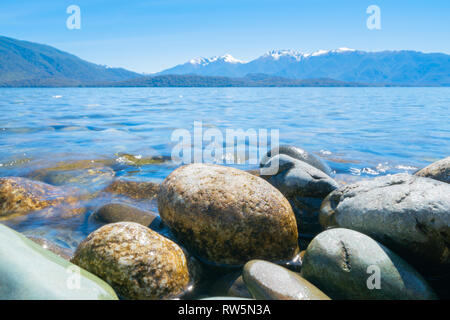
360,132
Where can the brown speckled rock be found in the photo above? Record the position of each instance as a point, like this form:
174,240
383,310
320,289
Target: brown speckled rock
136,261
20,196
227,216
439,170
134,190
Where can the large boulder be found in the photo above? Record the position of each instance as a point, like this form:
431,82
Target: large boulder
227,216
439,170
299,154
268,281
136,261
29,272
305,187
20,196
408,214
347,264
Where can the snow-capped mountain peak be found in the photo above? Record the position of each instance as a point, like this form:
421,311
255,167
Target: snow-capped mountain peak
228,58
277,54
324,52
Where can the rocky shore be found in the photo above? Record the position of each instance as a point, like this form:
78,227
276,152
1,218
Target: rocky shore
213,231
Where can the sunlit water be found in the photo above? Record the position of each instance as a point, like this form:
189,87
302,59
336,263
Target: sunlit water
359,132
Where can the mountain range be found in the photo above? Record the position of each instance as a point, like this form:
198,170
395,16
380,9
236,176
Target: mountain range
28,64
349,65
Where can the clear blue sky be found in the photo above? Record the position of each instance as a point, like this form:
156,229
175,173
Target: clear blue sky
151,35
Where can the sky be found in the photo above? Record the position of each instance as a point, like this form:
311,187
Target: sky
152,35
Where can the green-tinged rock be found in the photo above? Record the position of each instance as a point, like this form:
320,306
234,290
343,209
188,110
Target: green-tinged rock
268,281
136,261
118,212
408,214
439,170
346,264
227,216
29,272
133,189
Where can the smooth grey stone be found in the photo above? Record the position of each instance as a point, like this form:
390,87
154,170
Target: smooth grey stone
439,170
299,154
29,272
346,264
269,281
305,187
408,214
118,212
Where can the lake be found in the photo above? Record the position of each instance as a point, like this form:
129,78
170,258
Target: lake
360,132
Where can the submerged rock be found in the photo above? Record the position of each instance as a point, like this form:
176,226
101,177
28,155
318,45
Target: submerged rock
439,170
305,187
29,272
88,178
118,212
269,281
299,154
347,264
64,253
227,216
20,196
139,160
408,214
136,261
134,190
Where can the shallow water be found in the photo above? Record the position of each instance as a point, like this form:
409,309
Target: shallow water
360,132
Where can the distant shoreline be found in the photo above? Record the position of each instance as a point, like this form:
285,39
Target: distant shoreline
195,81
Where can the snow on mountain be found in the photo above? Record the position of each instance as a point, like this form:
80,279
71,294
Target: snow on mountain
344,64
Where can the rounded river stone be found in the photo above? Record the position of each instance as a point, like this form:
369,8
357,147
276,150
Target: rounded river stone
136,261
227,216
118,212
408,214
299,154
305,187
30,272
347,264
268,281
